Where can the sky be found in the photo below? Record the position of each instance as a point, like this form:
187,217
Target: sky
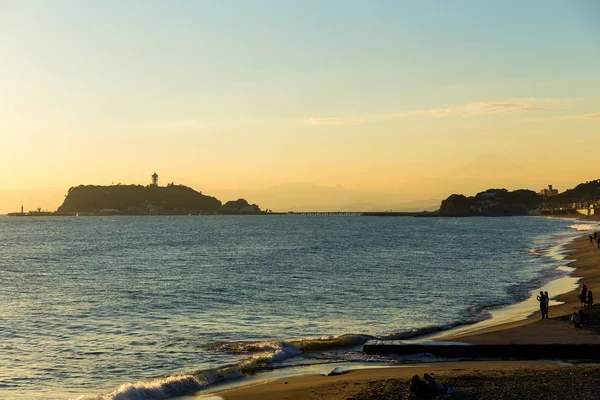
301,104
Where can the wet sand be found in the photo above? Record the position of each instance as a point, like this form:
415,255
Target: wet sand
472,379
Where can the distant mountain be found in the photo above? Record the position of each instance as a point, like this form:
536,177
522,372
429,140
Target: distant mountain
302,196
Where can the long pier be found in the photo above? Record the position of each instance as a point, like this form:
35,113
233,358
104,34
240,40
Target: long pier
360,213
324,213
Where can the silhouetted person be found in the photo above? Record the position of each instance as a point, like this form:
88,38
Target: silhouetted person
576,319
435,387
542,299
420,388
590,298
546,304
595,235
584,318
583,295
591,239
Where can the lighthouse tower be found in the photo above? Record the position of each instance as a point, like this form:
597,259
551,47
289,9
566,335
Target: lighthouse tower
154,179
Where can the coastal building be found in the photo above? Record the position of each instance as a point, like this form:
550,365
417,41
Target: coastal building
548,192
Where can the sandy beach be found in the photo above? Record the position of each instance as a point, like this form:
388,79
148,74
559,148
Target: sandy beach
472,379
586,261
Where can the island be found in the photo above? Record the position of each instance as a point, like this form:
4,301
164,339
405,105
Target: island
150,199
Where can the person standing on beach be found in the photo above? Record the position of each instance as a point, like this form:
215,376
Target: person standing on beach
591,239
542,299
546,304
583,295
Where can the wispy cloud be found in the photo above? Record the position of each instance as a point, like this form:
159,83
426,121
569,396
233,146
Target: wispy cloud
594,116
334,121
498,108
193,126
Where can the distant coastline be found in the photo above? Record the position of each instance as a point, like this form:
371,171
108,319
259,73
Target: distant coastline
92,200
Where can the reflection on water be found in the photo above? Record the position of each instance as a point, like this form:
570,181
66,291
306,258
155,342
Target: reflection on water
89,304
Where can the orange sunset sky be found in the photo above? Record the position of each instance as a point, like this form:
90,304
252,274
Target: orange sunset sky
298,105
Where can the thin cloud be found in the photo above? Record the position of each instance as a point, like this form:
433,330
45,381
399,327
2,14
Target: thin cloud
186,126
334,121
499,108
466,110
594,116
582,117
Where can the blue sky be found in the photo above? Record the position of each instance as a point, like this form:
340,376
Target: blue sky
248,81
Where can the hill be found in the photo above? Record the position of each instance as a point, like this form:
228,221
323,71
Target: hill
519,202
492,202
588,192
138,199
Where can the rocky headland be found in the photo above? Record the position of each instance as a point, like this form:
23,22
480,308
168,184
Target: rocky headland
501,202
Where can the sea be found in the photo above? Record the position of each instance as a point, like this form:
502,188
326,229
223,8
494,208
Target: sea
165,306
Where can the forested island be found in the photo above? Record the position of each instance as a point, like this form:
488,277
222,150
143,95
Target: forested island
147,200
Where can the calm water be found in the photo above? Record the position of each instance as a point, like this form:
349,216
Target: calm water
89,304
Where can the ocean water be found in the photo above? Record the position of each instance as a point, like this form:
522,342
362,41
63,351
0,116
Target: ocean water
155,307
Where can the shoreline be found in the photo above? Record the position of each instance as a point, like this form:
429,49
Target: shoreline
393,382
524,310
584,258
580,255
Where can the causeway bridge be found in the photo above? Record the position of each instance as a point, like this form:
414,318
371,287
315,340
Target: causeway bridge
359,213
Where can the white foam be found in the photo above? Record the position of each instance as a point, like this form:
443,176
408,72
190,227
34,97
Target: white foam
159,389
270,346
584,227
274,353
565,268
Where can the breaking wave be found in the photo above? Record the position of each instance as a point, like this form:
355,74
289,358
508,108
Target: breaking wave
262,356
159,389
584,227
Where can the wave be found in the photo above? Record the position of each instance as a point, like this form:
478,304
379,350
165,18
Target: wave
267,355
263,357
332,342
159,389
584,227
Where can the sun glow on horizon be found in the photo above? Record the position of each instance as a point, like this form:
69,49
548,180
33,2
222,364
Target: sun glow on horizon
364,104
